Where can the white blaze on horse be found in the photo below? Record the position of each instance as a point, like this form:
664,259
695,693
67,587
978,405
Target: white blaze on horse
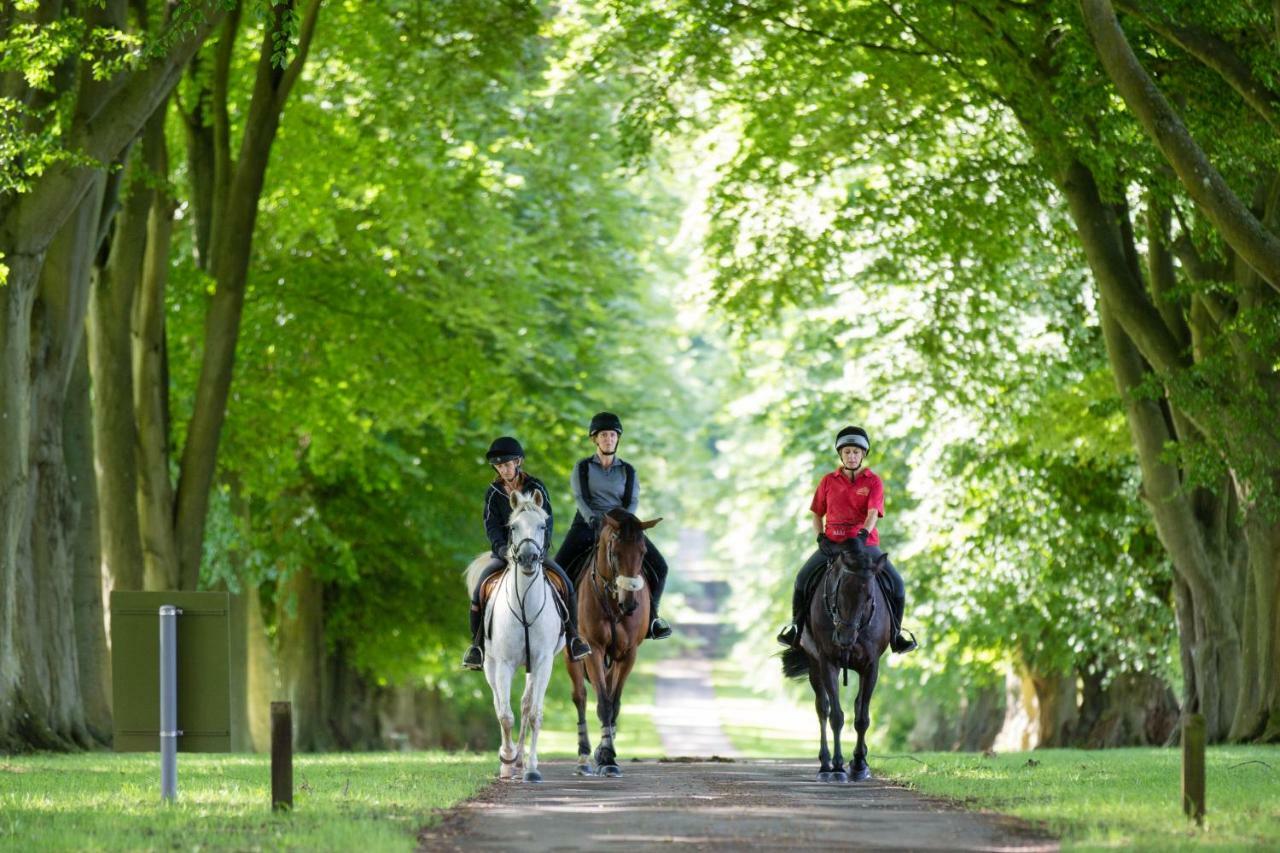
523,629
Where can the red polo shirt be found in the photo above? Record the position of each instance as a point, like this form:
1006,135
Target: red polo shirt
845,503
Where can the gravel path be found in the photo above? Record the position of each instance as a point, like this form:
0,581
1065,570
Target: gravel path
756,805
685,711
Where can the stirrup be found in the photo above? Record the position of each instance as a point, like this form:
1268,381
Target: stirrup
904,641
659,629
578,648
473,659
789,636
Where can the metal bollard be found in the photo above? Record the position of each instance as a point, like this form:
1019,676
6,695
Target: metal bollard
169,703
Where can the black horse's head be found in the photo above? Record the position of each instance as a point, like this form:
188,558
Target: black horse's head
853,602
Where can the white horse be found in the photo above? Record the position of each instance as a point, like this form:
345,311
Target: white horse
524,630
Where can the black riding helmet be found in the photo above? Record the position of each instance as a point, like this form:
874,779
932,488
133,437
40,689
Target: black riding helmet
857,436
603,421
504,449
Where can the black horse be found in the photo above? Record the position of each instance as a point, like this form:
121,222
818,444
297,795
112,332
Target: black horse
849,626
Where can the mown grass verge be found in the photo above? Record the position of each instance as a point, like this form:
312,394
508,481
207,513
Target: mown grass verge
1110,799
103,801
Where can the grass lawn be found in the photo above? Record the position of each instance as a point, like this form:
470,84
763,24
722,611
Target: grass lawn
1125,799
104,801
1111,799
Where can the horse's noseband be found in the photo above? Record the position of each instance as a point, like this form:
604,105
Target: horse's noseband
532,563
832,600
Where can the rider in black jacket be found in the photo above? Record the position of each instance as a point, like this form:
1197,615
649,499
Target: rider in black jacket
507,458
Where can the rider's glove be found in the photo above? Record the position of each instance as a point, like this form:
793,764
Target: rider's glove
863,535
826,546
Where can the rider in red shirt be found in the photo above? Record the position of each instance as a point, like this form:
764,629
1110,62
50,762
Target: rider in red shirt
848,503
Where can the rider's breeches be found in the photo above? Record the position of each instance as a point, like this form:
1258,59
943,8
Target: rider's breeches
816,563
655,566
497,564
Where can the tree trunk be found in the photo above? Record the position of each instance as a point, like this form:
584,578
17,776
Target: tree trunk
1199,546
87,586
110,349
1056,699
155,498
301,650
1136,709
231,245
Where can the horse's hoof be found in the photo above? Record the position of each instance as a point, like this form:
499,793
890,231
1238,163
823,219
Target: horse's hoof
862,775
584,770
824,776
611,770
839,776
532,776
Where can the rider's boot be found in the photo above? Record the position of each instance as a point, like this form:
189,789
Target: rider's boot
659,629
790,635
474,658
903,641
578,648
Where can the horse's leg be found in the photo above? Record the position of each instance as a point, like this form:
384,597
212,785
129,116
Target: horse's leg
534,694
526,706
820,705
604,707
499,674
862,719
617,679
835,714
578,677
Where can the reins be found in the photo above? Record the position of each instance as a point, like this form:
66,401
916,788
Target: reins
521,616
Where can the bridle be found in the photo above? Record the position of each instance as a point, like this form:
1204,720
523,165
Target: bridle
522,600
609,590
831,600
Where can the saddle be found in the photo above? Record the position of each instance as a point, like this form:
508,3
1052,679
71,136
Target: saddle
487,588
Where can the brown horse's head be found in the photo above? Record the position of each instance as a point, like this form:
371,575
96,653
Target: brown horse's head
852,599
620,556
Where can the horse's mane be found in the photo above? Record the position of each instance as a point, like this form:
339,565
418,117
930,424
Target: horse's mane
629,529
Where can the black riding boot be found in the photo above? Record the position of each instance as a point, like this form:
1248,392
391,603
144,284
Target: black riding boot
790,635
474,658
578,648
659,628
900,643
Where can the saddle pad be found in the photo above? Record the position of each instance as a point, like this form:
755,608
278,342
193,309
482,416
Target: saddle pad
487,588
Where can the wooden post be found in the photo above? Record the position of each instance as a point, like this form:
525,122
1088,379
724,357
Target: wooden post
281,756
1193,767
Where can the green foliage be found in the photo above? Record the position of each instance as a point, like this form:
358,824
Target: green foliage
469,257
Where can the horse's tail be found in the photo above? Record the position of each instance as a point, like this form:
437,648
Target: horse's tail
795,663
473,572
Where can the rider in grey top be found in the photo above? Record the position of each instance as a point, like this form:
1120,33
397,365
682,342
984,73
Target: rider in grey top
600,483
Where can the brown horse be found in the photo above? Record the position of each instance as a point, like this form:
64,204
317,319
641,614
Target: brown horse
613,616
848,628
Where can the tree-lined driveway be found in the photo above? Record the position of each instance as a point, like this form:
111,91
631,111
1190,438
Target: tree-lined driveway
756,805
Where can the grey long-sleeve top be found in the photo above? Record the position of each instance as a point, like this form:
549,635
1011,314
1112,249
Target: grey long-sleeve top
606,486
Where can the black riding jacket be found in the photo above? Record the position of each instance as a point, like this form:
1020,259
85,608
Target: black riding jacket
497,513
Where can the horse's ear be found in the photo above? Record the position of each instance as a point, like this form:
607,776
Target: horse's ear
881,561
537,498
514,499
610,521
645,525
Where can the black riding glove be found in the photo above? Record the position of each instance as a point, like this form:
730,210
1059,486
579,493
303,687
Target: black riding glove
863,535
826,546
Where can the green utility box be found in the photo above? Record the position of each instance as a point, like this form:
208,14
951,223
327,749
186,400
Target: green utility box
204,670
